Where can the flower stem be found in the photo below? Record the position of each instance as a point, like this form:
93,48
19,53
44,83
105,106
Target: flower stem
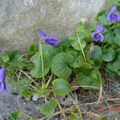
42,62
81,47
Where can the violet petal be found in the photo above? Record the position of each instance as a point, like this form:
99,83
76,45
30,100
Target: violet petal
2,74
100,28
42,34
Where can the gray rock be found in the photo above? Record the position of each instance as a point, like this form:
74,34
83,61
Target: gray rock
7,104
10,103
19,19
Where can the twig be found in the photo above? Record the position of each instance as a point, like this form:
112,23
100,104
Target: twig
62,111
100,94
21,109
50,78
29,77
59,112
19,75
85,86
87,113
75,103
69,109
110,99
78,108
92,114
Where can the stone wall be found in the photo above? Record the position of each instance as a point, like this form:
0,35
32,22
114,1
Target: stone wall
19,19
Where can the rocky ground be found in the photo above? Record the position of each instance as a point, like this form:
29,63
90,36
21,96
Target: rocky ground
87,100
10,103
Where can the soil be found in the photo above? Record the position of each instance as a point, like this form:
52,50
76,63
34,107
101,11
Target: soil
90,103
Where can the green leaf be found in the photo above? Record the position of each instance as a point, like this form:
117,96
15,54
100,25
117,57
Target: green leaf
78,59
23,83
97,53
78,62
86,68
74,116
117,29
42,63
110,71
42,91
92,25
108,55
49,50
15,60
82,30
37,71
64,45
26,93
92,81
98,63
14,115
114,68
102,18
5,58
109,37
12,57
31,118
114,2
60,65
103,118
32,49
75,44
48,108
117,39
61,87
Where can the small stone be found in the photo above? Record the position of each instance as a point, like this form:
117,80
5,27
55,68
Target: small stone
35,97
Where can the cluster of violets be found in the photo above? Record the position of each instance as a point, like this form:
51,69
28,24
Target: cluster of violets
113,16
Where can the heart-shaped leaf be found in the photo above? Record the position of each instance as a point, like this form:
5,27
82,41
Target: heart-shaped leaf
86,68
117,40
78,59
60,65
49,50
48,108
61,87
97,52
108,55
91,81
75,44
37,70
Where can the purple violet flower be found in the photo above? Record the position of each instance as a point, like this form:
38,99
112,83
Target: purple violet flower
113,16
49,39
98,34
3,87
90,53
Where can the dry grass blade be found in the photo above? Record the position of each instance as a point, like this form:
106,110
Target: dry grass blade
62,111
